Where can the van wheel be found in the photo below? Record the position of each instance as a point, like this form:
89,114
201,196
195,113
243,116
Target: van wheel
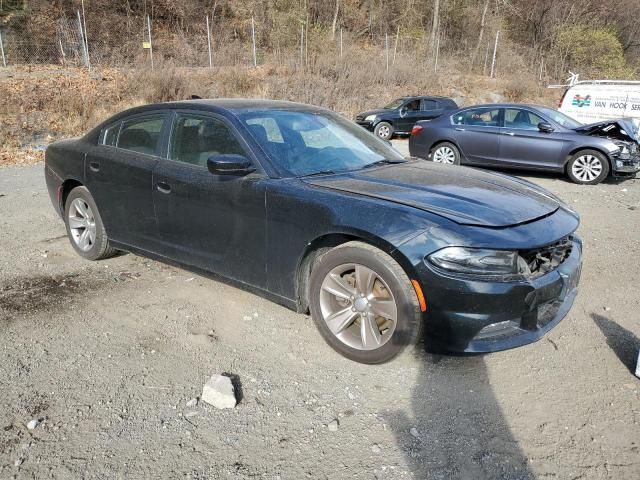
384,130
588,167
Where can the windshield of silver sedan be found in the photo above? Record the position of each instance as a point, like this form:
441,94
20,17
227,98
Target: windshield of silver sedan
301,143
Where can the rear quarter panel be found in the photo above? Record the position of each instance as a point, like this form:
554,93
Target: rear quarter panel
64,160
433,132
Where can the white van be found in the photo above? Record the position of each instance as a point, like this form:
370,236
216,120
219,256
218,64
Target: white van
592,101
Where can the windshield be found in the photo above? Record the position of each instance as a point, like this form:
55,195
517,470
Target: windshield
307,143
395,104
559,117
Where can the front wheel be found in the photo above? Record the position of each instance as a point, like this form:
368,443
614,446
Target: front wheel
588,167
363,303
446,152
384,130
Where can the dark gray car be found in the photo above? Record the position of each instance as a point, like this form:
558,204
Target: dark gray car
529,137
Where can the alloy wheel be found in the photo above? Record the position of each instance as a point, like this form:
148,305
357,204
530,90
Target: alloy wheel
383,131
587,168
444,155
358,306
82,224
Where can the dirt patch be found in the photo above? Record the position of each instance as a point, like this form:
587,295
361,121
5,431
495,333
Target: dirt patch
34,294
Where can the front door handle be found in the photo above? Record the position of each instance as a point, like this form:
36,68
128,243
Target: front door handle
163,187
511,134
460,129
94,166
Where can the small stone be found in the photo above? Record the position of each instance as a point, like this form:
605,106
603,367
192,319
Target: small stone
247,318
333,426
219,392
375,448
192,403
33,424
351,396
414,432
255,314
607,309
18,462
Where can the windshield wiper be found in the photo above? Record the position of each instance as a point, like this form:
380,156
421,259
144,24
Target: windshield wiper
321,172
383,162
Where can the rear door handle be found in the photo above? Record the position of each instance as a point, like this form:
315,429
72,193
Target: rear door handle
163,187
460,129
511,134
94,166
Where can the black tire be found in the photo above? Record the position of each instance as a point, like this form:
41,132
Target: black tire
573,170
408,321
448,151
100,248
384,130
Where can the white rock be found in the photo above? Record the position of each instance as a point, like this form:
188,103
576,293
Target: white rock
414,432
375,448
33,424
219,392
192,403
333,426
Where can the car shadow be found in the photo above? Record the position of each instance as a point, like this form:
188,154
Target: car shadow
624,343
456,428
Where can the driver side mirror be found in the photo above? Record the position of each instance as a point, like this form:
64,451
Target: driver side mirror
545,127
229,164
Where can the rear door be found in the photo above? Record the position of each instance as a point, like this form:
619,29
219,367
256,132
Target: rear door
477,132
118,174
522,144
214,222
429,109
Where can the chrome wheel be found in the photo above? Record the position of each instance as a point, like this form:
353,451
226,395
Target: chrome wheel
444,155
587,168
358,306
82,224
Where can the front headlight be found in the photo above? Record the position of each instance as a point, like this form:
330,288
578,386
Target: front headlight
369,118
477,261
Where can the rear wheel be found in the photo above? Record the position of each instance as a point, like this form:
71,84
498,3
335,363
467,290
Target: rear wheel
446,152
588,167
363,303
384,130
84,226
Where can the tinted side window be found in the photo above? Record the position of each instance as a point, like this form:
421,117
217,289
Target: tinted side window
110,135
141,134
429,105
413,106
522,119
195,138
481,117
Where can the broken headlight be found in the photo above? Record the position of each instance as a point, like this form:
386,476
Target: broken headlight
478,261
626,149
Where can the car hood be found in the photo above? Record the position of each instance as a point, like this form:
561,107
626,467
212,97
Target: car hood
379,111
464,195
620,129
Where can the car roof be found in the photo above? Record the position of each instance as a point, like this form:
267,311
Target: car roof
409,97
505,105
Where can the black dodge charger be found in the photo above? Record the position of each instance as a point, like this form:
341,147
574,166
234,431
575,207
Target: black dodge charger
306,208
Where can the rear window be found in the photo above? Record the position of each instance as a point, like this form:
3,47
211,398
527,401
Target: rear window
481,117
141,134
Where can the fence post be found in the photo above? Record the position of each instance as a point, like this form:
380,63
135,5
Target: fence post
253,38
340,42
150,44
495,49
395,47
64,57
86,38
302,45
386,49
486,58
4,60
435,65
209,41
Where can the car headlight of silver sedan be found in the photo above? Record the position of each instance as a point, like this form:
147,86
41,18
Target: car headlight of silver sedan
478,261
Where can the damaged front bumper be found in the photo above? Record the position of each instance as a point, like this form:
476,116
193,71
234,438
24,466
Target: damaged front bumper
629,165
473,316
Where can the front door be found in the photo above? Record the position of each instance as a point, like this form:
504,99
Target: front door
410,113
214,222
522,144
118,174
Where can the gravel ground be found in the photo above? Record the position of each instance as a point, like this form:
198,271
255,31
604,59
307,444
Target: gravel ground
106,355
